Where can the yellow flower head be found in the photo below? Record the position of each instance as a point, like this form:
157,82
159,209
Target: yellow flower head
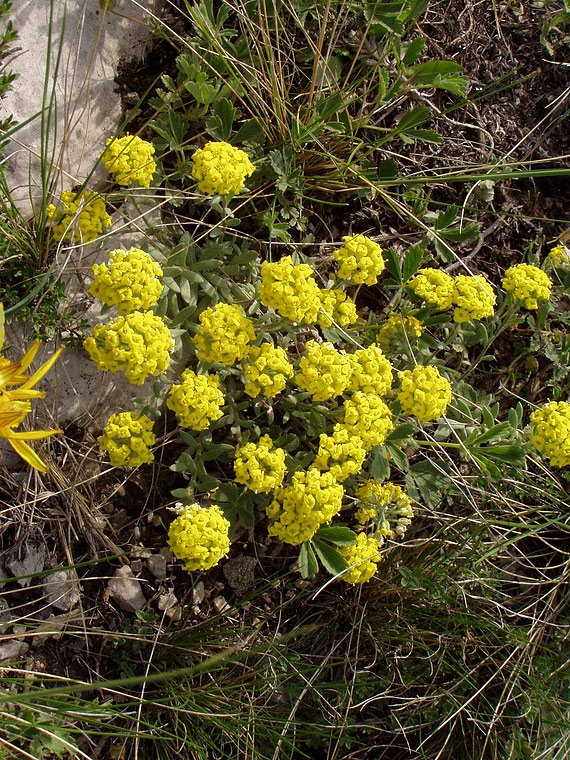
130,281
551,432
199,536
225,334
325,372
473,298
527,284
360,260
366,415
139,344
197,400
312,499
433,286
290,290
259,467
362,559
398,328
126,438
342,453
220,168
16,392
130,160
336,307
425,393
384,503
559,256
371,371
81,218
265,370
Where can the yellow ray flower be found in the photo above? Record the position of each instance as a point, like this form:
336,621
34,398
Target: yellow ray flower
15,401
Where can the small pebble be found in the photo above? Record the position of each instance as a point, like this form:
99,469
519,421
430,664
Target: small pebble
157,566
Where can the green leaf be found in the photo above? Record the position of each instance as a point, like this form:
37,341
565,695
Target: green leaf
412,261
380,466
308,564
413,118
393,264
250,131
413,50
184,463
221,121
398,456
425,135
387,169
400,433
445,218
336,534
331,558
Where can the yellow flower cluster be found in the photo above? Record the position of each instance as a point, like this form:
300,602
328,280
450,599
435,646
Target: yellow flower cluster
424,393
220,168
527,283
225,334
434,287
362,558
360,260
342,453
371,371
196,400
559,256
130,281
366,415
290,290
130,160
81,219
551,432
312,499
473,298
396,327
139,343
126,438
199,536
325,372
384,503
265,370
336,307
258,467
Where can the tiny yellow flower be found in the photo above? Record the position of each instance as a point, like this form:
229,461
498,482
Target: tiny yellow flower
325,372
260,467
197,400
199,536
425,393
362,559
527,283
360,260
126,438
341,453
81,219
551,432
336,307
220,168
371,371
130,160
433,286
473,298
290,290
384,503
265,370
225,334
559,256
131,281
366,415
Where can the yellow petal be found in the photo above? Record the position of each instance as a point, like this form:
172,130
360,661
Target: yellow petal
39,373
28,454
31,435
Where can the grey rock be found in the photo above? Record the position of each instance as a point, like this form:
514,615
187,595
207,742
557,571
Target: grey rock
33,561
125,590
240,572
220,604
62,588
198,593
157,566
5,616
13,650
166,601
52,628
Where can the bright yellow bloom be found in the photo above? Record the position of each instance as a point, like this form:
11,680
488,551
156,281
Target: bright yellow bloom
336,307
342,453
199,536
225,334
265,370
290,290
312,499
425,393
220,168
473,298
371,371
366,415
362,558
197,400
551,432
15,402
130,281
360,260
527,283
130,160
139,344
398,327
433,286
325,372
126,438
559,256
384,503
82,218
259,467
